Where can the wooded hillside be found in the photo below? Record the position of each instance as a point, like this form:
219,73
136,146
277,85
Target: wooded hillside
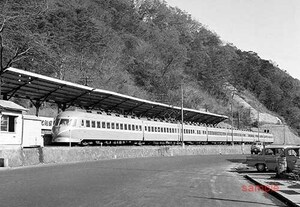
142,48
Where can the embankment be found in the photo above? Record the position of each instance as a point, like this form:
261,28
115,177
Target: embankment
48,155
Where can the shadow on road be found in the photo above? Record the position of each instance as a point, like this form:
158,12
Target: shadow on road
237,160
235,200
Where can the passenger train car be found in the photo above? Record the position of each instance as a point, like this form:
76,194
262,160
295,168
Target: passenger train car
80,127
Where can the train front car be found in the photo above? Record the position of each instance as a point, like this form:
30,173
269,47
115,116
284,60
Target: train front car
63,128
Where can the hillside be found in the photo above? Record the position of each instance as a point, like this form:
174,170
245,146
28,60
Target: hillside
146,49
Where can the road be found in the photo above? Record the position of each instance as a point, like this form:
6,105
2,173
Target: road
162,181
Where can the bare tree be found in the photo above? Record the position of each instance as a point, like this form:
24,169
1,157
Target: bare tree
14,13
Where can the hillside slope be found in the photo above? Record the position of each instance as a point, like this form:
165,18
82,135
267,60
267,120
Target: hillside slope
144,49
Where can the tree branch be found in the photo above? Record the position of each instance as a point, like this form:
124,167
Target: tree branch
16,57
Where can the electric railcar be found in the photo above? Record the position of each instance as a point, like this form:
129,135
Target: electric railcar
97,128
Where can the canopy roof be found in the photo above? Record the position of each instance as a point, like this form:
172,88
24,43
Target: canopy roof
40,88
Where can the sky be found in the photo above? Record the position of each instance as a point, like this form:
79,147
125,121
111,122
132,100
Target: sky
270,28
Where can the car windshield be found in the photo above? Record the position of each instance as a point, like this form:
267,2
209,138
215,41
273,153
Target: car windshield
64,122
273,151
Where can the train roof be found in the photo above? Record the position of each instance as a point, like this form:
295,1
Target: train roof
33,86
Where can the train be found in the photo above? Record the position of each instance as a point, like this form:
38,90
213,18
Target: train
99,128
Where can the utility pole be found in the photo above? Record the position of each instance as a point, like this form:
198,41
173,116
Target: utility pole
182,141
284,134
258,124
232,142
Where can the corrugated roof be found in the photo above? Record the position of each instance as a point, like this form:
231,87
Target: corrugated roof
28,85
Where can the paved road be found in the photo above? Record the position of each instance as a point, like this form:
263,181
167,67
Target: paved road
166,181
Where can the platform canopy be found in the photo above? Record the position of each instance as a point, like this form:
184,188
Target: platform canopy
39,88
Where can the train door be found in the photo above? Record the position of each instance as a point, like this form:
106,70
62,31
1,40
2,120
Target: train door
143,130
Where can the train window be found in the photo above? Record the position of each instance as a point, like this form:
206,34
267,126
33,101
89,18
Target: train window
149,129
82,123
152,129
145,128
125,126
117,125
98,124
155,129
173,131
113,125
140,128
133,127
87,123
103,124
158,129
93,124
121,126
108,125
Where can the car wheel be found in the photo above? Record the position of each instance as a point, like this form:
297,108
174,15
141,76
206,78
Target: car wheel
261,167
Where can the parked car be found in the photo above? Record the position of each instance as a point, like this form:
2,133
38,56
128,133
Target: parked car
267,158
256,147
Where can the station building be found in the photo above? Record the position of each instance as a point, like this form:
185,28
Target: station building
18,129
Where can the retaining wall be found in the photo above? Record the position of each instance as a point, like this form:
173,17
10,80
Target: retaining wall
47,155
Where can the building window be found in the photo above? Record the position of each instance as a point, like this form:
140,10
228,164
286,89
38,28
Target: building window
8,123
